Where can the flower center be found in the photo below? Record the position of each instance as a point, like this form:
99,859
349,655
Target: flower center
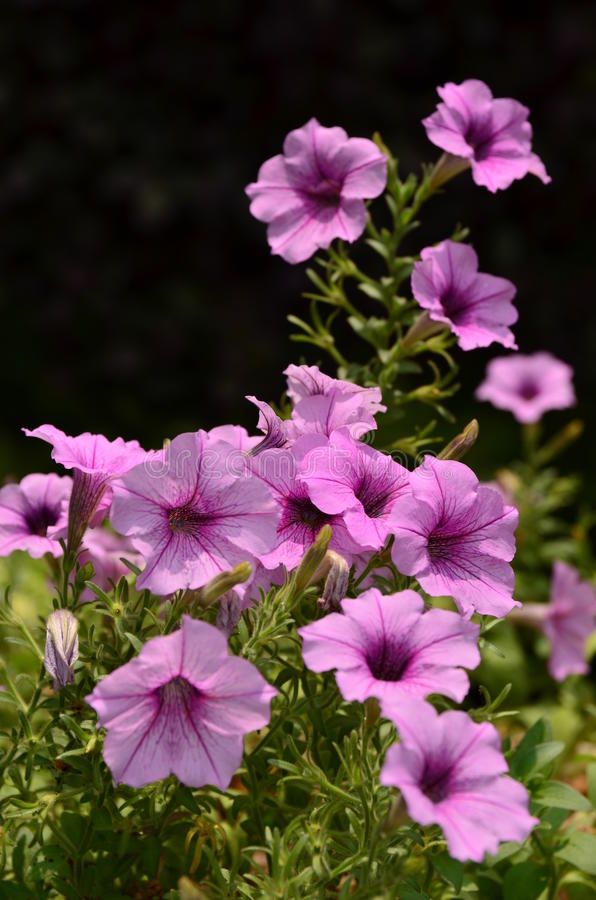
528,390
435,782
454,304
177,692
40,518
302,511
187,519
326,193
440,546
479,135
388,661
375,494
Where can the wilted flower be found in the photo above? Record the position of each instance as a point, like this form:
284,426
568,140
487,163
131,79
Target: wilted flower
62,647
476,307
181,707
96,462
348,478
315,191
194,515
33,514
493,135
528,386
569,620
388,647
456,537
451,773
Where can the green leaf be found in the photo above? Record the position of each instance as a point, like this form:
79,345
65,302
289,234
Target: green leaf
591,773
525,881
561,796
136,643
450,870
534,752
580,851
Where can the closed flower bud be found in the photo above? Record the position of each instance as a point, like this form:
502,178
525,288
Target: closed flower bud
336,582
313,558
223,583
62,647
463,442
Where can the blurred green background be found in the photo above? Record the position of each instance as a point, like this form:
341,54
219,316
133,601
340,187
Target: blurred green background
138,295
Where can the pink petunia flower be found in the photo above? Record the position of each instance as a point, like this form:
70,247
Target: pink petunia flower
193,514
180,708
528,386
456,537
493,135
309,381
321,405
451,773
348,478
476,307
300,519
389,648
315,191
105,550
96,462
569,620
33,514
235,435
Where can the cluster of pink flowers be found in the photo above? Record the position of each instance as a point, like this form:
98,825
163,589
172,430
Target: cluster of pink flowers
210,500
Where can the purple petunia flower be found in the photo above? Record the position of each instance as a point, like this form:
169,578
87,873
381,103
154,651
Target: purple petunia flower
456,537
451,773
96,462
389,648
348,478
300,519
181,707
321,405
315,191
476,307
528,386
33,514
493,135
235,435
192,514
569,620
309,381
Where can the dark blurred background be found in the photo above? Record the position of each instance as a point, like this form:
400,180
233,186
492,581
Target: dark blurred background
138,295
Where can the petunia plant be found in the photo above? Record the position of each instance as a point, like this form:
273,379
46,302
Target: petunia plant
323,658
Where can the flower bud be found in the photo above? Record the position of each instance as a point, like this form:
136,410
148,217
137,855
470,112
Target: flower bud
229,612
463,442
223,583
336,582
313,559
62,647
